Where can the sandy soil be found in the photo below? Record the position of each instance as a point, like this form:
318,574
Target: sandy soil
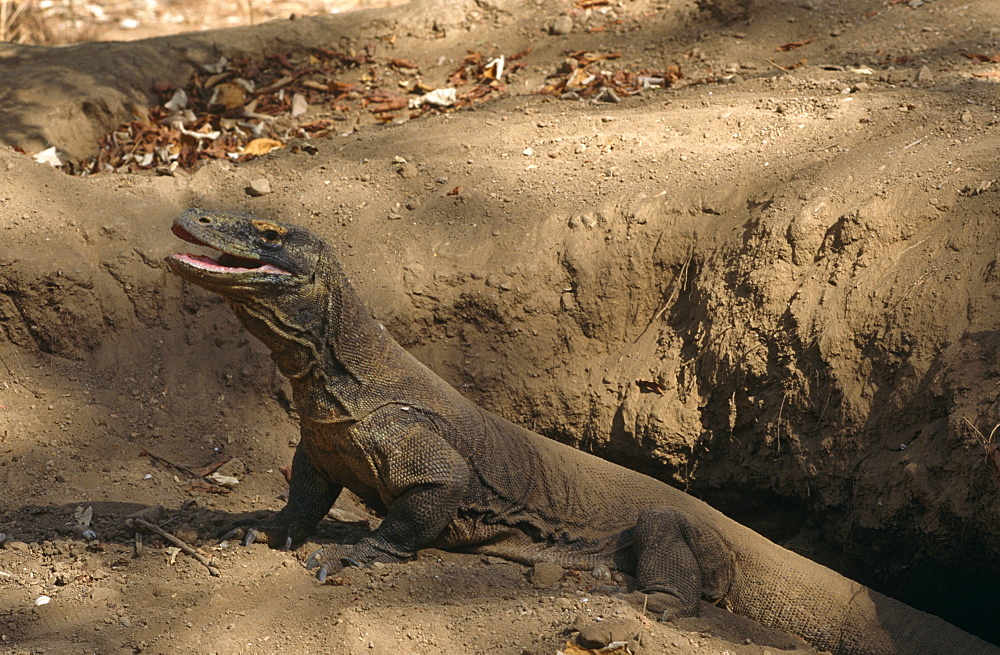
774,285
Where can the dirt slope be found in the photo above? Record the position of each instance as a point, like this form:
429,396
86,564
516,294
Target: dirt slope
776,289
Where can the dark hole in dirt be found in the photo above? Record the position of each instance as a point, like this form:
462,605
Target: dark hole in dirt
874,558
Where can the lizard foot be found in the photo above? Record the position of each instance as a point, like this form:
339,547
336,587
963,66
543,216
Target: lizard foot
366,552
274,533
667,607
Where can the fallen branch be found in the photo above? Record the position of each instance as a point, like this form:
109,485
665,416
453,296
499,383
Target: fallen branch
175,541
179,467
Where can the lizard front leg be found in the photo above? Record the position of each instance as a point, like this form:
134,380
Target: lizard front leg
423,480
311,494
680,560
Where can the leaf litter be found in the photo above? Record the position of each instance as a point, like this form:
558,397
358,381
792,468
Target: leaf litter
240,109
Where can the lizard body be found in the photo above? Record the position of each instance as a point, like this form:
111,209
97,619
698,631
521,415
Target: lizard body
448,474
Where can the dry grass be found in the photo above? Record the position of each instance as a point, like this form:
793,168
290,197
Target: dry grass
991,448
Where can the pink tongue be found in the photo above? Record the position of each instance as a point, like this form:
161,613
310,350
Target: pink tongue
209,264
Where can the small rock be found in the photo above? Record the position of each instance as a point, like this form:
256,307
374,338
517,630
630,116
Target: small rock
413,204
546,574
580,149
601,633
924,75
570,95
561,25
527,152
16,546
966,117
394,216
407,171
862,86
259,187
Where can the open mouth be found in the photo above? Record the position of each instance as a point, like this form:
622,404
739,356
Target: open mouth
225,262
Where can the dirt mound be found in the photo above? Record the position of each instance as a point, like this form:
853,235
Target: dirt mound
774,286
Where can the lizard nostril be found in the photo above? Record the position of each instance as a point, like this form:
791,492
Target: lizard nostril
204,220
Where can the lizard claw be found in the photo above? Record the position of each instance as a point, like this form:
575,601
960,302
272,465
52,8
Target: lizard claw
250,537
232,534
348,561
321,574
288,544
313,560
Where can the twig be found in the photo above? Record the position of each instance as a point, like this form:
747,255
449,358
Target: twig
179,467
912,144
175,541
14,376
778,422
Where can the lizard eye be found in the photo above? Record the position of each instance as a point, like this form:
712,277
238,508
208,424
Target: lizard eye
270,235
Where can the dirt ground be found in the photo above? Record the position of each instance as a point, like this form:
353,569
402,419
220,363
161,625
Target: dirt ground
774,285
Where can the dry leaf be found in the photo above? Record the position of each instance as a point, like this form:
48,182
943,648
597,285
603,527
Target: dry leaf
299,105
792,46
982,59
228,95
261,146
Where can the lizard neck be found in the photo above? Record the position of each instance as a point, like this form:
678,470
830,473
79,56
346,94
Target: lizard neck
324,340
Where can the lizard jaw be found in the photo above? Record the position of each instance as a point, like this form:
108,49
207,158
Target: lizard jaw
220,264
225,263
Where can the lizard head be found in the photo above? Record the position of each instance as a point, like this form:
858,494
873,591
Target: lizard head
256,255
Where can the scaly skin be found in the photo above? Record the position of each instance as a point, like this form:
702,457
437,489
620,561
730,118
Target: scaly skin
446,473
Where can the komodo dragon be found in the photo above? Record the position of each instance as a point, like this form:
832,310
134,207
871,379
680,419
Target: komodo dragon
445,473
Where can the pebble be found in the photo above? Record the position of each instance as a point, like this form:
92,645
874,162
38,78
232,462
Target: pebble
259,187
924,75
16,546
580,149
561,25
407,171
601,633
546,574
527,152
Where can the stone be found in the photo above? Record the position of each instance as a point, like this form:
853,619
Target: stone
408,171
561,25
259,187
546,574
601,633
